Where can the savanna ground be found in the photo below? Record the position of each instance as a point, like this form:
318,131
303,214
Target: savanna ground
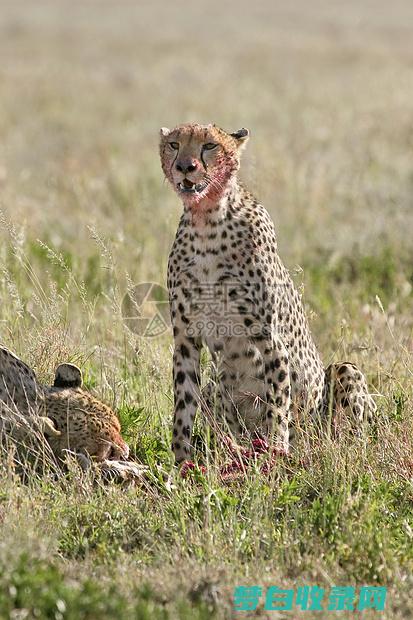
326,90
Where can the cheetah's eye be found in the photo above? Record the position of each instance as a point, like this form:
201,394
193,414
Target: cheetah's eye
209,146
174,145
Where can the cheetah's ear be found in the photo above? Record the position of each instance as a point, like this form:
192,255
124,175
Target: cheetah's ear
67,375
164,132
241,136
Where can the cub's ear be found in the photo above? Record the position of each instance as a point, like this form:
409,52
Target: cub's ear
241,136
67,375
164,132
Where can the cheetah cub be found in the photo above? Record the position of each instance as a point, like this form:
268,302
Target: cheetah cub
69,416
230,291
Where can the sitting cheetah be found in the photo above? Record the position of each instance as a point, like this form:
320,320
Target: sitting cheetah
230,291
70,417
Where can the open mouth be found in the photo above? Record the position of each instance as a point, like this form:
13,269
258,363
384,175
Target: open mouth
188,187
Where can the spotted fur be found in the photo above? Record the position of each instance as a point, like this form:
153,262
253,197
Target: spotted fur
253,323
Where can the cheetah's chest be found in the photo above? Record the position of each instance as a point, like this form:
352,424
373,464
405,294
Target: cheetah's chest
214,302
209,279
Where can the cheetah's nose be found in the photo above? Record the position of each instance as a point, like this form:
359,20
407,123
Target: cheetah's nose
186,166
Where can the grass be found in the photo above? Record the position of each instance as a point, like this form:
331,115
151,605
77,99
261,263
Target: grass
86,215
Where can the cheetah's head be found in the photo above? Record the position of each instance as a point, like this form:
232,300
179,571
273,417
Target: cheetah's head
200,160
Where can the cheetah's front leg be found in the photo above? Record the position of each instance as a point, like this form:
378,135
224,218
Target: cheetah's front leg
278,395
186,395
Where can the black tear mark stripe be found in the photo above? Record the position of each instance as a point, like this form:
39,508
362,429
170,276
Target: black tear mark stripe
173,161
203,161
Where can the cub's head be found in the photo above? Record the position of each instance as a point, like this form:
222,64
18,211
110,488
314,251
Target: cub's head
200,160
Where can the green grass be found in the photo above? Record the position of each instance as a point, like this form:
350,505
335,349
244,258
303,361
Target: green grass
342,516
326,91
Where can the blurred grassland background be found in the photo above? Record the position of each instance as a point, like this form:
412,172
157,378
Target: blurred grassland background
326,89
